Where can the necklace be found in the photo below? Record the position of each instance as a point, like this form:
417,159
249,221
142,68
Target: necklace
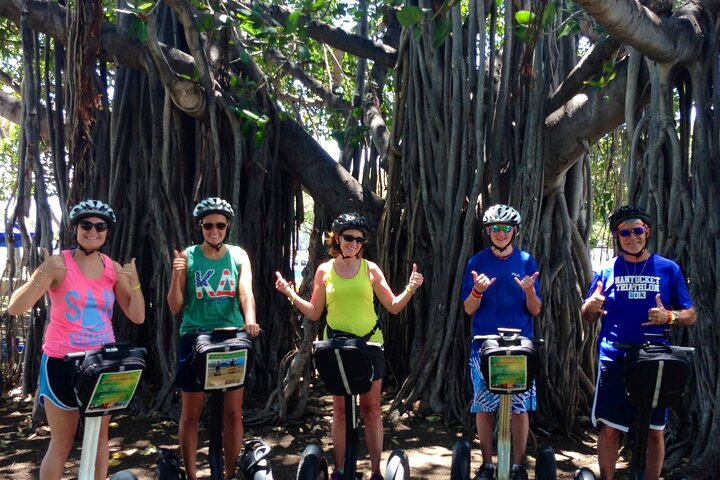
627,270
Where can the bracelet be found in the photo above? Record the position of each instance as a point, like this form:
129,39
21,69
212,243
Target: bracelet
135,288
672,318
409,290
476,294
291,299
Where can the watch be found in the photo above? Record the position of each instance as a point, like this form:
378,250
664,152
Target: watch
675,320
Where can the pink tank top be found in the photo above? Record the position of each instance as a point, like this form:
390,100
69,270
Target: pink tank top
80,310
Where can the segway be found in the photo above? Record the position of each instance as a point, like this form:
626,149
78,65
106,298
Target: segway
221,359
344,365
655,377
508,364
106,382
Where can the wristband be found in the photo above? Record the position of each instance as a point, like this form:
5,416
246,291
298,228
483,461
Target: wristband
135,288
409,290
672,318
291,298
476,294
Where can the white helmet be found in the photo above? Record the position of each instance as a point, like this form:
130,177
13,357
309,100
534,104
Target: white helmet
501,214
92,208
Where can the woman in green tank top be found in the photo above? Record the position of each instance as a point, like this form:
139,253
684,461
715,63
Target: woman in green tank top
212,287
345,286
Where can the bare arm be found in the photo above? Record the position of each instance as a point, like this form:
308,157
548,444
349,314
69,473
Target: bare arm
128,292
51,271
315,307
393,303
247,299
176,293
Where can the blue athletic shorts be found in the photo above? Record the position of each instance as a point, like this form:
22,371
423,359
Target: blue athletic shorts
611,405
486,401
57,383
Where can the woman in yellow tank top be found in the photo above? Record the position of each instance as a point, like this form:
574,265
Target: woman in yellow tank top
345,286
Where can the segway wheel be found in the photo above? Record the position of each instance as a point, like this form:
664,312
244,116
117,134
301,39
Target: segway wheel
313,465
545,465
398,466
460,468
123,475
584,473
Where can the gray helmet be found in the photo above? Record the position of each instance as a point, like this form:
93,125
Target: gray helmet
628,212
346,221
212,205
92,208
501,214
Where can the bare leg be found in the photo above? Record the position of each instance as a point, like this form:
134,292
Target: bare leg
63,425
372,420
337,431
655,454
485,422
520,428
192,405
608,444
233,429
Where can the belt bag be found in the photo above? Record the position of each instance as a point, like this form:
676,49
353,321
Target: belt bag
221,359
344,365
656,376
508,366
106,379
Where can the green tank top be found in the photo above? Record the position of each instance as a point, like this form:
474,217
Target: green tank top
211,292
350,306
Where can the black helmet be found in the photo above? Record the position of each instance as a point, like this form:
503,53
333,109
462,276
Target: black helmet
92,208
346,221
212,205
628,212
501,214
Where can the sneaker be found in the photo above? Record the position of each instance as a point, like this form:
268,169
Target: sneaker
336,475
486,472
518,473
376,476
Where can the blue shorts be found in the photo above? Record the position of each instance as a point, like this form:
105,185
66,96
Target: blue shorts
57,383
611,405
185,377
486,401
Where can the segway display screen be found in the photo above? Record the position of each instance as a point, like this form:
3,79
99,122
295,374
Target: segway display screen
113,391
225,369
507,373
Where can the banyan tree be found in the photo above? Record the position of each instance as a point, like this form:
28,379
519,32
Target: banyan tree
440,109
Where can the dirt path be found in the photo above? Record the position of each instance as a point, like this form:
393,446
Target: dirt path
134,442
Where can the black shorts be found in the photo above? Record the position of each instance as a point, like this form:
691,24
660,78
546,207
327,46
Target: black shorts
185,377
57,383
377,358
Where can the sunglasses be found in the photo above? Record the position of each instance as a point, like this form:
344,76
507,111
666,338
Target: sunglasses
99,227
350,238
501,228
626,232
209,226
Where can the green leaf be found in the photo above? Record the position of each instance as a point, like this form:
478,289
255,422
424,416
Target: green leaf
568,27
524,17
408,16
292,22
442,30
549,13
145,6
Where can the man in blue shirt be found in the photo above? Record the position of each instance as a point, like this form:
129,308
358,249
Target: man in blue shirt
635,293
500,290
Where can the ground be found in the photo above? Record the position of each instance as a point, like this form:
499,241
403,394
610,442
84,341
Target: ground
134,441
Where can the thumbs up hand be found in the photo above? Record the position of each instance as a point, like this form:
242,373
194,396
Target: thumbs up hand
416,279
179,264
596,300
658,315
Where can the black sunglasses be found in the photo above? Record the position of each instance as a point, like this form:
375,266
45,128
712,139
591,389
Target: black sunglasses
209,226
637,231
99,227
350,238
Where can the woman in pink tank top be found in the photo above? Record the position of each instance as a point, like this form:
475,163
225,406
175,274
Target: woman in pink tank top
83,285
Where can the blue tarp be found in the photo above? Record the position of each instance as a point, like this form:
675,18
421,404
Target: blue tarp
18,239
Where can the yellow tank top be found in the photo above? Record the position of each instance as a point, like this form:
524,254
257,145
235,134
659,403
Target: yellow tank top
350,305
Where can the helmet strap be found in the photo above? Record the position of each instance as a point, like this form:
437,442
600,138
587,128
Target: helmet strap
216,247
636,255
500,249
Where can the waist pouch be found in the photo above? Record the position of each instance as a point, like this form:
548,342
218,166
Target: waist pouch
106,379
344,364
221,359
508,366
656,376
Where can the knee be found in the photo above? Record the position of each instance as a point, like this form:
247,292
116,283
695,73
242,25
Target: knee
370,412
